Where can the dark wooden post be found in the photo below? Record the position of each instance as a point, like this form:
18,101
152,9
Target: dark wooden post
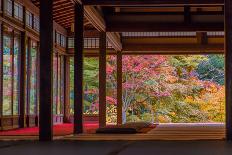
102,80
228,67
46,64
119,88
28,82
22,80
78,68
37,85
1,73
187,15
67,89
22,89
202,38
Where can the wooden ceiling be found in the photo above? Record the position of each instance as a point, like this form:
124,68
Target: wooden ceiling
123,14
63,13
118,16
142,15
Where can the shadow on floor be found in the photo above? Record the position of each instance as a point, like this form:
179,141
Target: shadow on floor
116,148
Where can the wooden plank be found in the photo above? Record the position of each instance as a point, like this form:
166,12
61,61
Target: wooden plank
151,2
102,80
119,88
46,71
78,68
228,67
22,81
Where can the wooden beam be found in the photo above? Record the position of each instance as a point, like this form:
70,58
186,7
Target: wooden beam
119,88
151,2
115,40
168,21
23,68
95,18
187,15
163,27
46,71
174,42
78,68
161,50
228,67
102,80
174,48
98,22
91,34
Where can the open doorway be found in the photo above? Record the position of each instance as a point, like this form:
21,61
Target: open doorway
174,89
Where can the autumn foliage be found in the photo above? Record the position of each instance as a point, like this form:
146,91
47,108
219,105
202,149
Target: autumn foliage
161,88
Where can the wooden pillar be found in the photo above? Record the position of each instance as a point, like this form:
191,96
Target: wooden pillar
28,82
46,71
202,38
119,88
66,89
22,80
37,85
78,68
228,67
1,74
102,80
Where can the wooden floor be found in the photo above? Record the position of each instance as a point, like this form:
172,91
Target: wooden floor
165,132
177,131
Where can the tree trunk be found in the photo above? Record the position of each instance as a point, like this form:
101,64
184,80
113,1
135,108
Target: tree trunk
157,117
123,116
153,116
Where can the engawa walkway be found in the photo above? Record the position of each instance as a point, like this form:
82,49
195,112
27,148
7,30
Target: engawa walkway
177,131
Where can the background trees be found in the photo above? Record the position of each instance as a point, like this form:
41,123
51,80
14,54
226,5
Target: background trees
160,88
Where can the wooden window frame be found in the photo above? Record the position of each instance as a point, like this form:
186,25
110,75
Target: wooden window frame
12,35
59,67
8,10
20,11
29,19
29,74
36,23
